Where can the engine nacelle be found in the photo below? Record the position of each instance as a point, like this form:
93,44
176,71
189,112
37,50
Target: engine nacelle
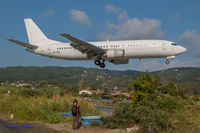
120,61
114,53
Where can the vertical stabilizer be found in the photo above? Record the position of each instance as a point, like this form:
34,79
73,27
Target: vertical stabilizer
35,35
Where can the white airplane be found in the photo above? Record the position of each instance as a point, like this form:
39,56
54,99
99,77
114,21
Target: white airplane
117,52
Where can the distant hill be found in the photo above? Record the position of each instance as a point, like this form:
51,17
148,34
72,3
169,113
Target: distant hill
187,78
93,77
68,75
180,75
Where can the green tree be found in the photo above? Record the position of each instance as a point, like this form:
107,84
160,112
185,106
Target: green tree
143,86
81,85
155,106
42,84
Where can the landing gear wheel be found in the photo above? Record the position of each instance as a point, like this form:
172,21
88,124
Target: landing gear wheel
102,65
97,62
167,62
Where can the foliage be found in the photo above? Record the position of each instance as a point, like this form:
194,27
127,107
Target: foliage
81,85
67,75
121,118
27,105
143,86
160,107
189,78
44,91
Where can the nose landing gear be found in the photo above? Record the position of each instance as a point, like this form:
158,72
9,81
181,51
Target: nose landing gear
99,63
169,57
167,61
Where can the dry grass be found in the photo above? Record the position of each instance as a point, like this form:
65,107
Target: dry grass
41,108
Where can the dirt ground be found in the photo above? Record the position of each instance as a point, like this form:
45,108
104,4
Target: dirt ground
8,126
67,127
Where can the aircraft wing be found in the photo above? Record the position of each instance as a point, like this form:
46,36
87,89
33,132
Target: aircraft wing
22,43
83,46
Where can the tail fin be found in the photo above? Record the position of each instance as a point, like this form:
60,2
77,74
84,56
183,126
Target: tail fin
35,35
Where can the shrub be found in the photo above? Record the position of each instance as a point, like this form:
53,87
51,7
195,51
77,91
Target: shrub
160,107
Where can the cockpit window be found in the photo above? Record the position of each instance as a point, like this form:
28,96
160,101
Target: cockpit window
174,44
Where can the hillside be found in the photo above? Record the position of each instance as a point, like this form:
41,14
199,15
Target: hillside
187,78
180,75
67,75
94,77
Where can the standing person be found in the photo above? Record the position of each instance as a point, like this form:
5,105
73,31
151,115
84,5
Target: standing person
76,114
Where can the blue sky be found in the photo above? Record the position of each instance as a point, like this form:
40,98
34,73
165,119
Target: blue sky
101,20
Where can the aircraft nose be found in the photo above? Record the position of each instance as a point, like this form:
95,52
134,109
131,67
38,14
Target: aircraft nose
180,50
183,50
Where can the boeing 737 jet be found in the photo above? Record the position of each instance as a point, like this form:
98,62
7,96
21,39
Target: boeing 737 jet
117,52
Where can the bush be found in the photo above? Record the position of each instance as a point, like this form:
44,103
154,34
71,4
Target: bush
122,116
160,107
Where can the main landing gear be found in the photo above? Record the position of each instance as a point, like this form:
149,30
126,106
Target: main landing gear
99,63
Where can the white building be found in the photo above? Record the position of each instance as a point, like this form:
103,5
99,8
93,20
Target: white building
85,92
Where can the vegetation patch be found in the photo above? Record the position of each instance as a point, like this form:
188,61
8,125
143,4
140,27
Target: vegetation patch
39,106
157,107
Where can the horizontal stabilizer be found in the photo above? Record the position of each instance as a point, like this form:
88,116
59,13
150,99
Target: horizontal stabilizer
22,43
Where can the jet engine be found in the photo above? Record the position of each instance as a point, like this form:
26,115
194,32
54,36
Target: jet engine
120,61
114,53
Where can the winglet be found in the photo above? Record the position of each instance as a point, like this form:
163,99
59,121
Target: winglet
64,35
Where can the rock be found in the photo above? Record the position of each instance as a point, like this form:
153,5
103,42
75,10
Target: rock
134,129
11,116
